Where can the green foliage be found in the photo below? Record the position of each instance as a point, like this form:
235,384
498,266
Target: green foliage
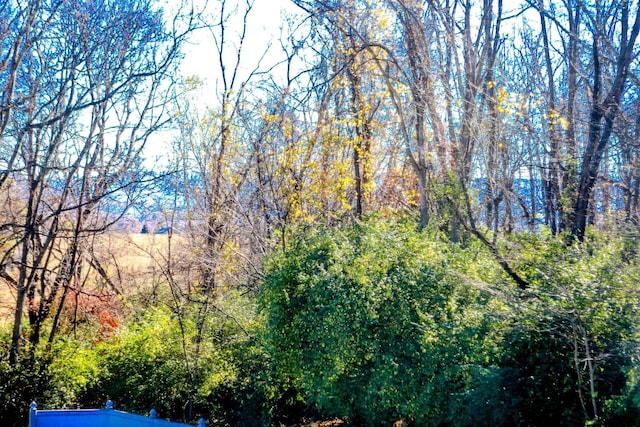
76,369
150,363
377,322
368,324
374,323
576,341
20,384
54,378
145,366
153,364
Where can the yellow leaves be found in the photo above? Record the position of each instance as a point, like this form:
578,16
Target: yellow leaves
230,259
555,119
502,94
503,104
287,130
193,82
563,122
384,23
520,105
383,18
271,118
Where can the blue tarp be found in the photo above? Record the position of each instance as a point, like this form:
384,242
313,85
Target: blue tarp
108,417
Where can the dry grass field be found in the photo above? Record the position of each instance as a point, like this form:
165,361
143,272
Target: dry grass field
7,304
133,253
131,263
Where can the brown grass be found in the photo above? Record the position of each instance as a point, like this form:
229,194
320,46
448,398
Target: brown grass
7,304
132,261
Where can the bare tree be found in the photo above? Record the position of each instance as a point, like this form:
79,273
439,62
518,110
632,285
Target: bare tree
615,33
85,96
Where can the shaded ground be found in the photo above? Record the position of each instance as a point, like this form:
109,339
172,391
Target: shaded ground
330,423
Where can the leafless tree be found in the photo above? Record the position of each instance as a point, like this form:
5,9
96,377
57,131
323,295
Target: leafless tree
85,91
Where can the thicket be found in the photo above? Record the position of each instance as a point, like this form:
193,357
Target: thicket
372,323
377,323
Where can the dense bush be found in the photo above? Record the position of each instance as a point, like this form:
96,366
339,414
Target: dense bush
150,363
53,376
369,324
377,322
154,363
575,345
21,384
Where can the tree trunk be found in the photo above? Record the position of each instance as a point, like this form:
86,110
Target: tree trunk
603,114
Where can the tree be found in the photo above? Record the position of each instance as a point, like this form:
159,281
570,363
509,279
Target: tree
83,98
599,42
615,56
211,255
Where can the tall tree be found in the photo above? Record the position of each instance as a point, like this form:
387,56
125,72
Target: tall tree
614,29
83,98
586,86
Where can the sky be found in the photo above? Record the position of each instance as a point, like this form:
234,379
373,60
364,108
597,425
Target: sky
265,22
263,31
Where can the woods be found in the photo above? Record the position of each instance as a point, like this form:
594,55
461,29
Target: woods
423,212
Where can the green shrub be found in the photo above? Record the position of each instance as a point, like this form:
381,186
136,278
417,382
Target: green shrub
369,325
576,339
156,363
20,384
